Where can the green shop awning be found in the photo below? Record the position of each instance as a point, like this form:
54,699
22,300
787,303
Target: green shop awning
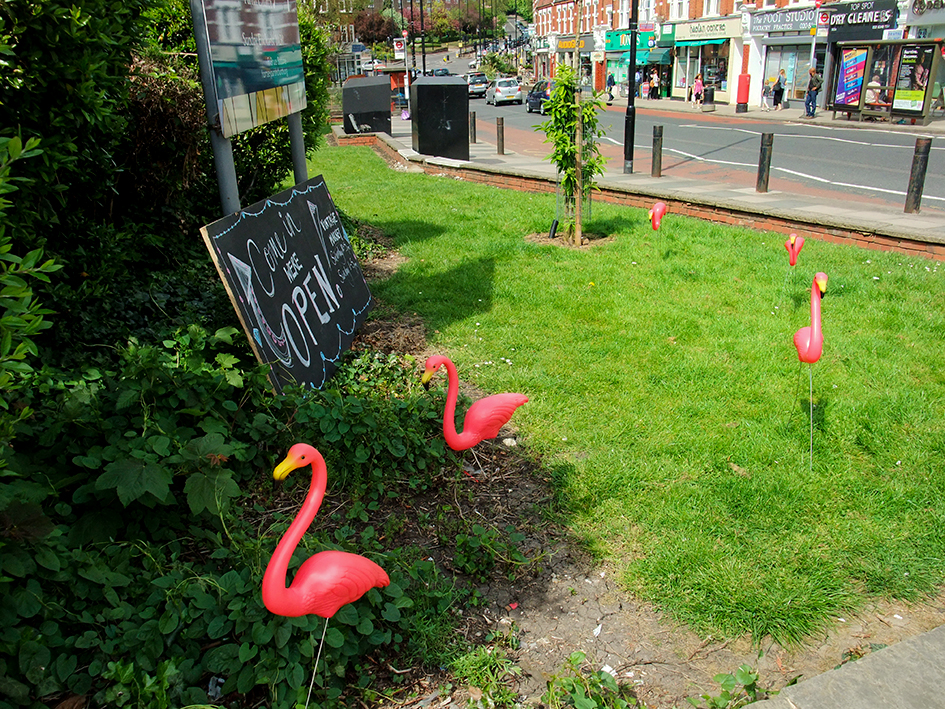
642,55
660,56
699,42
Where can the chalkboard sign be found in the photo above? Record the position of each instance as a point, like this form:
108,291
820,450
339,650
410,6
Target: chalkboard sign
296,284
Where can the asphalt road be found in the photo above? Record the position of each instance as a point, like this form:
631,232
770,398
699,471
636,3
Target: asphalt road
865,165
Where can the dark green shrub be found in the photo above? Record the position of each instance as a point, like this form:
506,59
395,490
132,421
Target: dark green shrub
135,526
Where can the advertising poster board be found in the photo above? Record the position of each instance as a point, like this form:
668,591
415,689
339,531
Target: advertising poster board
850,79
294,281
256,55
912,79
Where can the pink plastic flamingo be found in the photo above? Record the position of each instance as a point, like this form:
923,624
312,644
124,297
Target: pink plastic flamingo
809,341
326,581
794,244
483,419
656,214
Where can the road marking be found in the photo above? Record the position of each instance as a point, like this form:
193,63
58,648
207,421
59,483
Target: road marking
796,174
816,137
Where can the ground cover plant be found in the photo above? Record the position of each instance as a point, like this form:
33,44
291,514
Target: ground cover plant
667,399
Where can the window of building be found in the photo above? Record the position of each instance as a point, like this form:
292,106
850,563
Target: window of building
679,9
710,8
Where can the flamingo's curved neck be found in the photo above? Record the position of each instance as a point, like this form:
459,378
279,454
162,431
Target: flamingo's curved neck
449,413
278,568
815,313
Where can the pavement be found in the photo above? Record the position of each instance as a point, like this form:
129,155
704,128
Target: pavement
911,673
823,208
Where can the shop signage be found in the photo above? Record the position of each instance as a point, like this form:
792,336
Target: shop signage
920,7
566,44
785,21
862,20
620,41
716,29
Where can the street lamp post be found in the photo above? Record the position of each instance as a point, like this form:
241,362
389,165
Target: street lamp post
423,41
413,43
629,122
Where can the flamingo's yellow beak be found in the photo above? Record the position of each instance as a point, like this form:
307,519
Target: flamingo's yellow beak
793,239
285,467
821,280
427,376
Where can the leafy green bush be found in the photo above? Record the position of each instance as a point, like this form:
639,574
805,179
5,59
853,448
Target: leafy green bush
134,527
21,316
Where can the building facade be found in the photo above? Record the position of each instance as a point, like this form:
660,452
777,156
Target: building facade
736,47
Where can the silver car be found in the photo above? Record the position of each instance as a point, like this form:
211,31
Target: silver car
504,91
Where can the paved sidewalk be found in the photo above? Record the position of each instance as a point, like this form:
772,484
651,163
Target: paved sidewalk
907,675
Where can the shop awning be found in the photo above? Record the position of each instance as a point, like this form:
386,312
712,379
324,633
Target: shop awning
660,56
698,42
642,55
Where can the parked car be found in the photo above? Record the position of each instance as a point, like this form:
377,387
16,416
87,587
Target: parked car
441,72
373,64
478,83
504,90
540,92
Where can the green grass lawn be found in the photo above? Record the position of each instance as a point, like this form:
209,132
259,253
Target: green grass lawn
667,399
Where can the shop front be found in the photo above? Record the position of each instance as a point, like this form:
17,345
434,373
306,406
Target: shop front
567,46
712,48
783,40
621,60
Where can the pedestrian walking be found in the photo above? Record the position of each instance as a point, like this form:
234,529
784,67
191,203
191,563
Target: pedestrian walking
813,87
611,82
765,95
638,82
654,84
778,90
698,88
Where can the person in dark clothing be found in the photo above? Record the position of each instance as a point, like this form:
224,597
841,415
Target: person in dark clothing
813,86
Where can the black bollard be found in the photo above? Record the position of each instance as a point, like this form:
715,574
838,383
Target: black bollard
500,135
764,162
554,229
656,170
472,126
920,163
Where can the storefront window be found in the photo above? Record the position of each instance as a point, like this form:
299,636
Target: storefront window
789,57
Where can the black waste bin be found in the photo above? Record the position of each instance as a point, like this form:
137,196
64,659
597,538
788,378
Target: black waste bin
439,114
708,98
365,102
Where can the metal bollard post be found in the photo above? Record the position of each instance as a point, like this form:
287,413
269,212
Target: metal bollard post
472,126
500,135
920,163
656,170
764,162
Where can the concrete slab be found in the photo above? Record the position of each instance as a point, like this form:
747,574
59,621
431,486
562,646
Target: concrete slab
908,675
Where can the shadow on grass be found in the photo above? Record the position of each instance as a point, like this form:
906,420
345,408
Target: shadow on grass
411,230
819,412
470,285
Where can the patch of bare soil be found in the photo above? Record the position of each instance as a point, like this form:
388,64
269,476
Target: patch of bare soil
562,241
562,600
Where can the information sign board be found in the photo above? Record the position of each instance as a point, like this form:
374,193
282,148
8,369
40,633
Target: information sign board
256,56
294,281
